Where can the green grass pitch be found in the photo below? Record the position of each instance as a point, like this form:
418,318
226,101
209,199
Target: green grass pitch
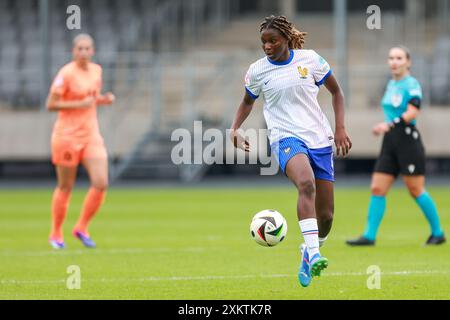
195,244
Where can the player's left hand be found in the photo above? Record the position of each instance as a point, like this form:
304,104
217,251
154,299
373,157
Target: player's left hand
381,128
343,142
109,98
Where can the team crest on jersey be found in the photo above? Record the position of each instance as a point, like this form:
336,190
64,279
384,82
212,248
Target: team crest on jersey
67,156
303,72
396,100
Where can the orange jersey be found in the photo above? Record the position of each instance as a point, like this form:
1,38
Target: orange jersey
73,83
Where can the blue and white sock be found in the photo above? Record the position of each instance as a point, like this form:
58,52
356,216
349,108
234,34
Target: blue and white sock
310,232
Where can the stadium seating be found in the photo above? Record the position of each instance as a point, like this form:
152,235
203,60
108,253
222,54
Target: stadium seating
440,68
21,48
167,74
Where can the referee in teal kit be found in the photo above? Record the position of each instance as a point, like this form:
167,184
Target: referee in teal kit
402,151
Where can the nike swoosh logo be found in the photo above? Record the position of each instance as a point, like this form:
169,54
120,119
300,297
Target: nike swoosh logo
265,83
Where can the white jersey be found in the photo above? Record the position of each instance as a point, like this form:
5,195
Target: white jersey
290,90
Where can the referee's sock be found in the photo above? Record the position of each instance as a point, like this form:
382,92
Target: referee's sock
377,207
429,209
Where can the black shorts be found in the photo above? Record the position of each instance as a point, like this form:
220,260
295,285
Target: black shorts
402,152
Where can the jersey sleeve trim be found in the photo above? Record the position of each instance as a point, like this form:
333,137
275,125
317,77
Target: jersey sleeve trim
321,82
254,97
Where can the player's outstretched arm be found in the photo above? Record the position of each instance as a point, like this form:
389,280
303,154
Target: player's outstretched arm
341,138
242,113
54,103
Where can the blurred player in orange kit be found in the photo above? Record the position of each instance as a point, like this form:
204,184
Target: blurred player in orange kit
75,95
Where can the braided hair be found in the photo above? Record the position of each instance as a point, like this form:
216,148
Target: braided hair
295,37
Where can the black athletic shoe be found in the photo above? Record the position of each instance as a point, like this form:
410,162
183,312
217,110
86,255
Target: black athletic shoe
436,240
361,241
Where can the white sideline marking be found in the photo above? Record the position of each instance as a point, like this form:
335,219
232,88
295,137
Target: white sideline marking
96,251
218,277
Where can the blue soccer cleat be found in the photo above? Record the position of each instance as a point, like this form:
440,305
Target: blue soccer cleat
57,244
304,272
318,264
85,239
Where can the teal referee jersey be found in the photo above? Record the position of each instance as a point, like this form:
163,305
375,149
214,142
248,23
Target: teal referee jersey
397,96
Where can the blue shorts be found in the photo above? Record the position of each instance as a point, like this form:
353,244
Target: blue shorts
321,160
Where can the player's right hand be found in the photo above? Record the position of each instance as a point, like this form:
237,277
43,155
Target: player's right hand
343,142
239,141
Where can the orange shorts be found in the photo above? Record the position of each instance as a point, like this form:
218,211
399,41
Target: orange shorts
69,153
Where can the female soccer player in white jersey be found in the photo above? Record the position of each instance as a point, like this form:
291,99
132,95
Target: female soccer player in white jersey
288,79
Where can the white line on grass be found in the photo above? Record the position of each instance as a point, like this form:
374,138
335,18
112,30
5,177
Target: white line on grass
97,251
219,277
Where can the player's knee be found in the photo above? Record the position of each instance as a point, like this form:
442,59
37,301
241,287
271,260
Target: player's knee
306,187
415,191
65,187
101,185
377,190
